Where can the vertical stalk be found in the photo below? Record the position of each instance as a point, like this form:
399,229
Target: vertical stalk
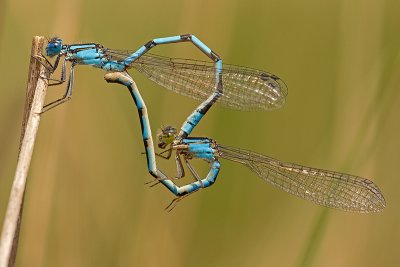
35,95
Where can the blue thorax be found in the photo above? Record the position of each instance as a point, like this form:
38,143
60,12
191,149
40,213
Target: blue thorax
203,148
85,54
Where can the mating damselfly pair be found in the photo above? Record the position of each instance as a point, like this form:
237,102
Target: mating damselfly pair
211,82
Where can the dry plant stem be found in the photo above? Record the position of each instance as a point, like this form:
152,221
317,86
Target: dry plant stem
35,95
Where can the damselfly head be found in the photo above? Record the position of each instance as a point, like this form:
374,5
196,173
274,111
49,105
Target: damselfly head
54,47
166,136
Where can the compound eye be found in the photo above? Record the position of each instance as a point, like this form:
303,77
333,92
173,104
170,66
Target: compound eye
162,145
169,130
54,47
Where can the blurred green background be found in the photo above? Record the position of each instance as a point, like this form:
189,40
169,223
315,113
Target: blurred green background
86,202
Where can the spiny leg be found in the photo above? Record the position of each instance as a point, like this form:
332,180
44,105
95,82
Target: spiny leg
153,182
168,156
175,202
47,64
52,68
194,173
67,95
179,167
63,74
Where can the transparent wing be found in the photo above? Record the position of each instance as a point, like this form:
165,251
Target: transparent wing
243,88
327,188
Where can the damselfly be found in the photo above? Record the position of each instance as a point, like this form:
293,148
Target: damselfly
232,86
327,188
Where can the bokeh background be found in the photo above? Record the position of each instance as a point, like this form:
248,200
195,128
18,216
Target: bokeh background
86,202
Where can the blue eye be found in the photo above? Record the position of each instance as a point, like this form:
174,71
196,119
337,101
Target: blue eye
54,47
